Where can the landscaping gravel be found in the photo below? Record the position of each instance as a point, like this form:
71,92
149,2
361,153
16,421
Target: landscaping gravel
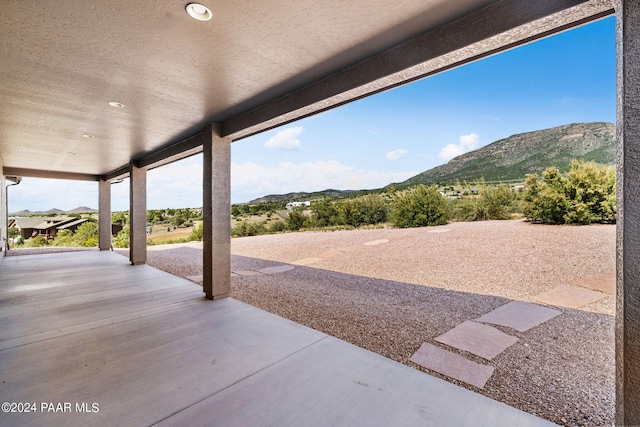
391,296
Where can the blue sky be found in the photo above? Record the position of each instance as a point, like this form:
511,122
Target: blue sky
394,135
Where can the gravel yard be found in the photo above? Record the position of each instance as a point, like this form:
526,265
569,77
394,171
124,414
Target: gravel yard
390,290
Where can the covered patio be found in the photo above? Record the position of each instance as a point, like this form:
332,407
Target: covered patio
90,340
107,90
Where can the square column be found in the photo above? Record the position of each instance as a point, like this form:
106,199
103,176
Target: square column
104,215
628,221
216,214
137,214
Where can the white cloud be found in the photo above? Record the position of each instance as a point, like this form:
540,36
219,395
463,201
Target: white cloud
467,143
250,180
176,185
286,139
38,194
179,185
396,154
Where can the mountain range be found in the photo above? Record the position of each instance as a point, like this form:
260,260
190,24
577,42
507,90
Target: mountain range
514,157
54,212
507,159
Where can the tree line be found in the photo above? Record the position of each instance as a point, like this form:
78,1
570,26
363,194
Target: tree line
584,195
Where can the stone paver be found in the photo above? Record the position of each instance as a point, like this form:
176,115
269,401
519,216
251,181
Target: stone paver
604,283
276,269
570,296
376,242
307,261
519,315
248,273
440,230
330,254
452,365
481,340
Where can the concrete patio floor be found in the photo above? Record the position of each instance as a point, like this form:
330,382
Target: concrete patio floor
87,339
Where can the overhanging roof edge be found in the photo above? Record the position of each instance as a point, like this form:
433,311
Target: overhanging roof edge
39,173
412,60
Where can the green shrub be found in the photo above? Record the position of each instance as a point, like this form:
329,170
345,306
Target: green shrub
36,242
248,229
196,233
325,214
495,202
64,238
491,202
464,209
121,240
586,195
296,219
87,234
420,206
277,227
366,210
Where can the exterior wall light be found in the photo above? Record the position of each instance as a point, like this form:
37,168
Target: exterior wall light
199,12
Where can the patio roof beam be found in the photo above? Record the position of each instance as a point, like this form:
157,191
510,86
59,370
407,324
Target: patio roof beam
37,173
180,150
120,173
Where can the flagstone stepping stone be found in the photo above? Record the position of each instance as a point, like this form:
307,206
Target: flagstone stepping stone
330,254
248,273
570,296
307,261
376,242
439,230
519,315
452,365
604,283
276,269
481,340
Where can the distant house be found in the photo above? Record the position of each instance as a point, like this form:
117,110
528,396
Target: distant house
25,225
73,225
46,227
292,205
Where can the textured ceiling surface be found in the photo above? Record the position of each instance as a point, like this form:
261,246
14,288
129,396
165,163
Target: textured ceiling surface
64,60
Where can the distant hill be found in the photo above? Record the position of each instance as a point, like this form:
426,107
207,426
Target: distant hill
300,196
81,209
532,152
507,159
53,212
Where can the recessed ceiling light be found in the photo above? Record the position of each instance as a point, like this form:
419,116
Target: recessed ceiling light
116,104
87,135
199,12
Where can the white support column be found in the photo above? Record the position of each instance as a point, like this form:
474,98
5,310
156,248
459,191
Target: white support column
104,215
137,214
216,236
628,228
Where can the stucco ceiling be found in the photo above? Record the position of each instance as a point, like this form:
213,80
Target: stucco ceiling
64,60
